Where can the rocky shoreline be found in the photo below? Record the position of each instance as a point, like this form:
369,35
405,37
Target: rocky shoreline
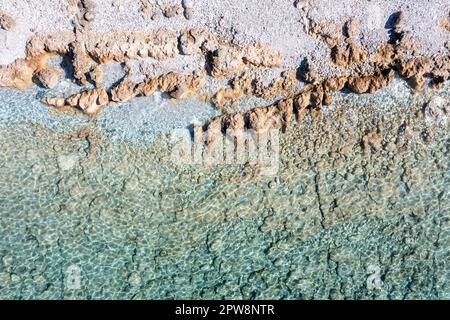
227,70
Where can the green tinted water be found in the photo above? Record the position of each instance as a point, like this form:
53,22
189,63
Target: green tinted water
87,216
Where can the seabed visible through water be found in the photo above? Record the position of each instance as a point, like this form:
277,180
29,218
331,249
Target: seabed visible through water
358,209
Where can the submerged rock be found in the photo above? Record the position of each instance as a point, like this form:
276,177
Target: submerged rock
90,102
67,162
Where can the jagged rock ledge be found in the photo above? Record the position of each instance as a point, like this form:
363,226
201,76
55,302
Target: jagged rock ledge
358,70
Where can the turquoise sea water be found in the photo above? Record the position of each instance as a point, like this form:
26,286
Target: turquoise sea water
93,213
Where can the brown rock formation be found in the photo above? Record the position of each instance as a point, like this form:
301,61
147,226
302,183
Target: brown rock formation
88,50
19,74
339,37
328,31
124,91
372,83
444,23
348,54
96,75
247,85
171,11
441,70
197,41
53,43
388,59
415,69
90,102
7,22
262,56
279,115
122,46
81,63
276,116
177,85
48,77
227,59
85,14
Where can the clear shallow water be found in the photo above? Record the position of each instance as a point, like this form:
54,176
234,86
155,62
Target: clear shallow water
335,222
141,120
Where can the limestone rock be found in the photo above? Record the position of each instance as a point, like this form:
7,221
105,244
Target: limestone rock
7,22
124,91
54,43
122,46
444,23
226,61
441,70
180,85
352,27
328,31
348,54
90,102
171,11
415,70
196,40
225,58
260,55
370,84
96,75
48,77
18,74
175,84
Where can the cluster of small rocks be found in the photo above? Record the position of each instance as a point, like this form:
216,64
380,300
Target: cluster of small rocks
154,9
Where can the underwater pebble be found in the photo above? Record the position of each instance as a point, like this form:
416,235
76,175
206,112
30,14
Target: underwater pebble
135,280
67,162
